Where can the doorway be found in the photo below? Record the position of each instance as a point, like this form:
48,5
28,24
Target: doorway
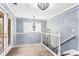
1,31
9,31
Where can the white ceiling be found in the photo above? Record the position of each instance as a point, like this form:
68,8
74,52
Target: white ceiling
28,10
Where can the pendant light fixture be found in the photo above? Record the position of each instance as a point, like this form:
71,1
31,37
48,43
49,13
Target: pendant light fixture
33,26
43,6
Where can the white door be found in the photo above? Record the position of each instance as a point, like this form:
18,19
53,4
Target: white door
5,31
4,42
1,32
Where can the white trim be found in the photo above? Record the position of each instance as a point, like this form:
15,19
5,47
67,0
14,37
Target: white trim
68,38
41,38
49,50
8,9
65,10
22,45
3,53
8,49
59,44
78,30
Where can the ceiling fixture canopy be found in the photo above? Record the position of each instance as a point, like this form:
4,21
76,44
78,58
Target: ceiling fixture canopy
15,3
43,6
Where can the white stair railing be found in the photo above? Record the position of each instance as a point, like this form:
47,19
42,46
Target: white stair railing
59,39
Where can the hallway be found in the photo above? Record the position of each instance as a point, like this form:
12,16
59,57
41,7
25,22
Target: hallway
35,50
39,29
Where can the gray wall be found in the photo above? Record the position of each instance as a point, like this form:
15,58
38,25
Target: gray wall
65,23
28,38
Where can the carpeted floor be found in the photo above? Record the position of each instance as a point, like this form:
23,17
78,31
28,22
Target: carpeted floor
29,50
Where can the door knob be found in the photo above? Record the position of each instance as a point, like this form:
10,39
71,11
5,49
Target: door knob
5,37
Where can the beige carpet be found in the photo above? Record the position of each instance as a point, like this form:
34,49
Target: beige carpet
30,50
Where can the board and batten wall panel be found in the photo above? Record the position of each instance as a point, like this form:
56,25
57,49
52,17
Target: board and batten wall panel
67,24
28,37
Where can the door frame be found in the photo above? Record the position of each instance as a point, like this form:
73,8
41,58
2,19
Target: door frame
2,16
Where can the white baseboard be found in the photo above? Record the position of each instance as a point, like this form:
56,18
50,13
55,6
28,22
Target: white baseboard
6,51
22,45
